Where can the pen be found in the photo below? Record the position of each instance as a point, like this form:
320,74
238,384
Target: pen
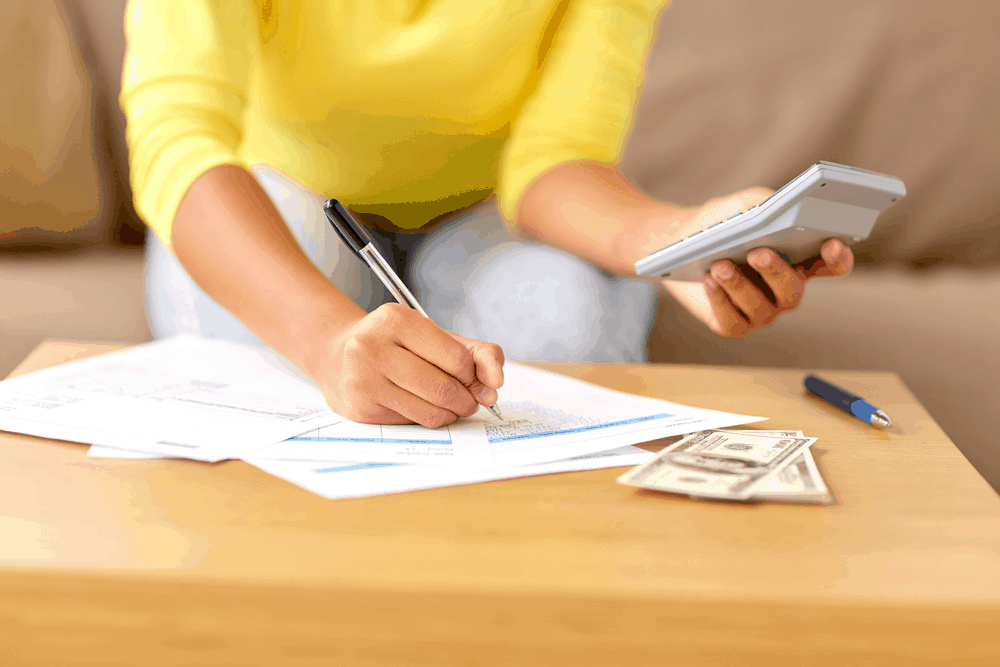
356,238
848,402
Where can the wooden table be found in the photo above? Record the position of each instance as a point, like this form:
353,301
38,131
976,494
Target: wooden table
181,563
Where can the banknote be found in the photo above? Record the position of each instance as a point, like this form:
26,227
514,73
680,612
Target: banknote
729,465
762,431
800,481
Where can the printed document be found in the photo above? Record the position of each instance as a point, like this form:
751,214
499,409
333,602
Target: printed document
355,480
184,396
209,400
548,417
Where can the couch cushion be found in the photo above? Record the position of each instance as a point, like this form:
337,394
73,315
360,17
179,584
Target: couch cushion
49,180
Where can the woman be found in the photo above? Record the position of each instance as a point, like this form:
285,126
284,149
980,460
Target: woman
243,116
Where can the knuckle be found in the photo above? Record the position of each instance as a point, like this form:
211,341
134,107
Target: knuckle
390,315
355,348
391,309
759,310
466,411
724,329
366,336
444,417
795,298
380,314
462,356
792,303
737,328
438,418
494,351
447,392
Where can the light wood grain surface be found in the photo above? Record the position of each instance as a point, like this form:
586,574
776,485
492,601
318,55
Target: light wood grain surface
171,562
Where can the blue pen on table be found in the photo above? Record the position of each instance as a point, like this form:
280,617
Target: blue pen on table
848,402
356,238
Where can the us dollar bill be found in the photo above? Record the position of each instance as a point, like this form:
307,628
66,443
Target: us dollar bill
728,465
799,482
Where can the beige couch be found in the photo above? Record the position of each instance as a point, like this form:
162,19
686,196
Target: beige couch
741,94
737,94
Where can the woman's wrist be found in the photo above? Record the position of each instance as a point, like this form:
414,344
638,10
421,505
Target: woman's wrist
322,335
651,228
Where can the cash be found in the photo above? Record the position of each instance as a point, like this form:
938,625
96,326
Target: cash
736,465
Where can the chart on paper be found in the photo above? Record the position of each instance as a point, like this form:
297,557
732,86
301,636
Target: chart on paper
374,439
526,424
529,420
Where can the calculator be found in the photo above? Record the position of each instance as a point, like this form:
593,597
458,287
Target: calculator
826,201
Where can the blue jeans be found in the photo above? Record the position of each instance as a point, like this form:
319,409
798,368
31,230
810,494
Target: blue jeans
470,274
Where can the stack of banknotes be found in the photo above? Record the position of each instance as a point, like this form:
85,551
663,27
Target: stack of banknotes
736,465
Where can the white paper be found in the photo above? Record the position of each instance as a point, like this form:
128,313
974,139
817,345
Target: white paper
548,417
184,396
357,480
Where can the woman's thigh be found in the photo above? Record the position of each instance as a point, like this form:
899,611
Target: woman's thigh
536,302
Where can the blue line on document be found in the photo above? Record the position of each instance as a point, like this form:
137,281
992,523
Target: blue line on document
393,440
579,429
357,466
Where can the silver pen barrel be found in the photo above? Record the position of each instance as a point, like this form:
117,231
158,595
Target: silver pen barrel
390,279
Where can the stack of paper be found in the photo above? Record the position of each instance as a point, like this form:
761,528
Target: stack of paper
210,400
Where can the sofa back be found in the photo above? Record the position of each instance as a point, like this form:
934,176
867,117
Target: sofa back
48,177
741,93
737,94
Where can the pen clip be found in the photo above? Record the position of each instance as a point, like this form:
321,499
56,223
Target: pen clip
348,229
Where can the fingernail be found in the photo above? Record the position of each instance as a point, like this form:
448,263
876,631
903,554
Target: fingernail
722,271
709,283
487,396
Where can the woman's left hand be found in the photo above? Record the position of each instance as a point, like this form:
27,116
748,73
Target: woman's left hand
734,301
594,212
742,302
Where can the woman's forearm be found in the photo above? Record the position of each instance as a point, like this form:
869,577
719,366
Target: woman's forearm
232,241
592,211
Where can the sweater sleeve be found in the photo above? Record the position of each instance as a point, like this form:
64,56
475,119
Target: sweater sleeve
582,105
183,93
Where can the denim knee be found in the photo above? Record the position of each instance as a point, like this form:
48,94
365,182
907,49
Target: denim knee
536,302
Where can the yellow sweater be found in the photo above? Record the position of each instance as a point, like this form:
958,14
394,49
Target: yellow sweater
406,108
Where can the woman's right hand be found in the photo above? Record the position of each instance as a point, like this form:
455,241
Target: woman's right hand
395,366
392,366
